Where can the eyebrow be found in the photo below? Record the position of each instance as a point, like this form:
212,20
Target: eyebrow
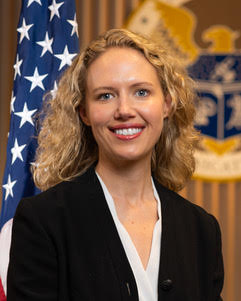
104,88
114,89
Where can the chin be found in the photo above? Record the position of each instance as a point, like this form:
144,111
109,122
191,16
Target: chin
131,157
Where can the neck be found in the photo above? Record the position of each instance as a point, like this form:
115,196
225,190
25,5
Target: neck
127,182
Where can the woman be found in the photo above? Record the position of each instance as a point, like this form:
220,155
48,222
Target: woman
116,142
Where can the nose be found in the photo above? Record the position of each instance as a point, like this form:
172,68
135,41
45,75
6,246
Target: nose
125,109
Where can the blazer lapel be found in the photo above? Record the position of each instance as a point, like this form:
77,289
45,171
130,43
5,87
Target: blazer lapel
168,241
103,217
117,253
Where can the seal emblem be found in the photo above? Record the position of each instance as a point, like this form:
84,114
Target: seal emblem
212,59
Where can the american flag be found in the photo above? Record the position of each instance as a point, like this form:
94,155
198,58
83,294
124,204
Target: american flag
47,44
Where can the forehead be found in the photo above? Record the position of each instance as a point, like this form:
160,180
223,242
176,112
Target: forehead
119,64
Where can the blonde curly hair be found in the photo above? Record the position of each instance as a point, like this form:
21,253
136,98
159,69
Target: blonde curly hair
67,147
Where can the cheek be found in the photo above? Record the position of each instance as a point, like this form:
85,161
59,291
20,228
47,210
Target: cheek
154,114
97,117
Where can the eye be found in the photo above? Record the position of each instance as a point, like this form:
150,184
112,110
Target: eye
105,96
142,92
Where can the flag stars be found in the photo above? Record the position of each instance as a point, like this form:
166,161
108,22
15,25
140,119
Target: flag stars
26,115
13,98
54,8
9,187
75,26
66,57
23,30
36,80
17,67
16,151
54,90
31,1
46,44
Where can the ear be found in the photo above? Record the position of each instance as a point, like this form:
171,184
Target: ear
167,105
84,116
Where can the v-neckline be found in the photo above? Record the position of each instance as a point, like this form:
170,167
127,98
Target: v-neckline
134,249
111,204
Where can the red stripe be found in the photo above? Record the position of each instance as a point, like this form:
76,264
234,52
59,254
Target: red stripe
2,294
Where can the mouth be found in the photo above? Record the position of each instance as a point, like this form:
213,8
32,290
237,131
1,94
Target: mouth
127,132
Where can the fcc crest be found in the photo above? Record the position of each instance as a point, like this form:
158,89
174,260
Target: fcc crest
213,59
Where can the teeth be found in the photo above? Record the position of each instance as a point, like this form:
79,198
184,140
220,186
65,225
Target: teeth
126,132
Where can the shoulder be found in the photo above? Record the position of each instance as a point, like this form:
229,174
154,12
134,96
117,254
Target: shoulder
65,196
190,224
186,212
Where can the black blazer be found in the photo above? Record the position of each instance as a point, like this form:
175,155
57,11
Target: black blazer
65,247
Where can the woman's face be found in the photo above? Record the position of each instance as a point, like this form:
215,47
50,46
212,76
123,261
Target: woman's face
125,105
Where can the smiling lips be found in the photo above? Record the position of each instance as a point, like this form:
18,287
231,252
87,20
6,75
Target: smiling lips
127,132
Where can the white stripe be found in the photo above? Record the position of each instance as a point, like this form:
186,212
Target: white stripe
5,242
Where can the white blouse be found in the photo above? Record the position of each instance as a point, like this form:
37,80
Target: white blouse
146,280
